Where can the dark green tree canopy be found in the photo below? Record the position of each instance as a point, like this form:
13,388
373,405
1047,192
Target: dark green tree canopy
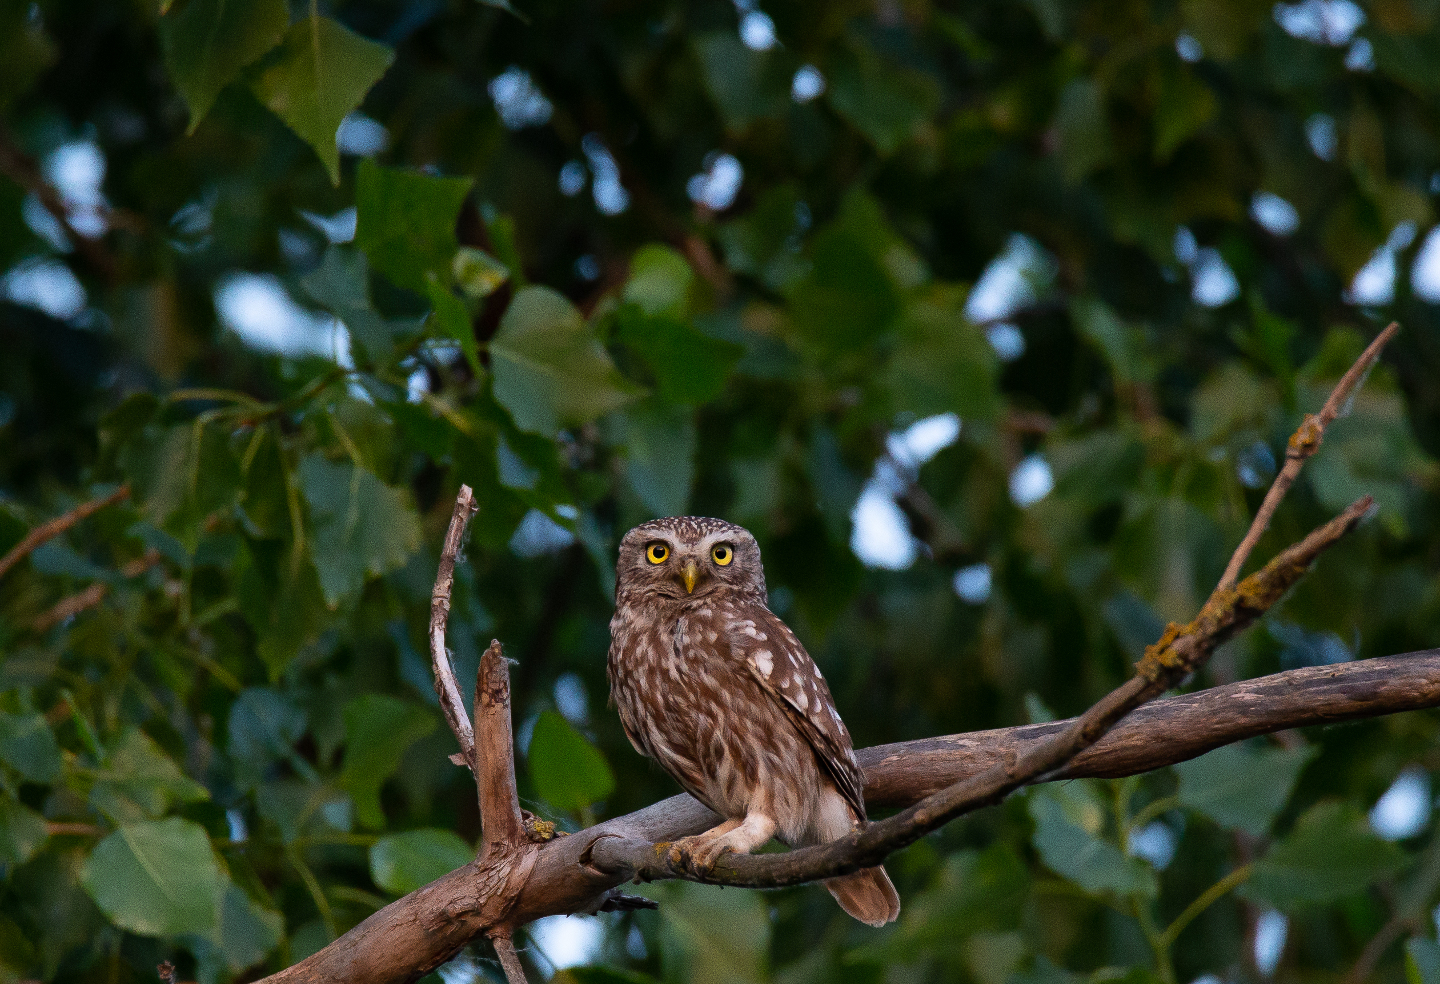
990,320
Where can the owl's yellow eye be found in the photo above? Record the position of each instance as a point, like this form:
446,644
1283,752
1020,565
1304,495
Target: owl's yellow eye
657,553
722,554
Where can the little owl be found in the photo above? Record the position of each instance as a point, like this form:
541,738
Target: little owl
714,687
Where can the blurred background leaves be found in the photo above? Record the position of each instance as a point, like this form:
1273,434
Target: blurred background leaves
990,322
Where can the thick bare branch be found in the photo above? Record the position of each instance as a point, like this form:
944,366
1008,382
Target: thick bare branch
447,688
495,755
49,530
1304,443
515,881
1180,651
417,933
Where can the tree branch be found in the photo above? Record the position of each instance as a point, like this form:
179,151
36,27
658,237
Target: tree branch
509,959
53,528
447,688
80,601
21,168
514,881
417,933
495,755
1180,651
1304,443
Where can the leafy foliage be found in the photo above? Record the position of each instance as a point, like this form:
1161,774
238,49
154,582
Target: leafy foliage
1039,288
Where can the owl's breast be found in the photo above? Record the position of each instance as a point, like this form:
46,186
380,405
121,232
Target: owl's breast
668,682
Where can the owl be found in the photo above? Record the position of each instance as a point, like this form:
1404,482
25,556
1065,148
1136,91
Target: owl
716,689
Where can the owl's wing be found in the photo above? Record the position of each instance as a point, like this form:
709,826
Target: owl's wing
782,667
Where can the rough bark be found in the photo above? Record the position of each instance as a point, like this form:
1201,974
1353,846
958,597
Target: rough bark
417,933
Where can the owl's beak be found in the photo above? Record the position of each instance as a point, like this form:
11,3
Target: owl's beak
690,573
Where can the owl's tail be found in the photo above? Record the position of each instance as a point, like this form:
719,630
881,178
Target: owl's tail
867,895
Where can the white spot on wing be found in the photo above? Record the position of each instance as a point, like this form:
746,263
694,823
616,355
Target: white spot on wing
763,661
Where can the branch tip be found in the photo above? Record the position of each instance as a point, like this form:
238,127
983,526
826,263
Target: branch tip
500,818
1301,446
447,688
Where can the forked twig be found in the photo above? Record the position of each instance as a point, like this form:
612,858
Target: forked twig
1304,443
447,688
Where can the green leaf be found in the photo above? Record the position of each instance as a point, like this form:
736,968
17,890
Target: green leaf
401,863
550,370
263,729
660,281
477,273
1069,821
279,594
1330,854
983,891
886,102
765,241
22,832
1096,468
1229,400
28,746
182,475
1186,104
405,223
341,284
1042,971
156,878
1422,961
569,773
1084,131
709,937
746,85
245,933
941,363
138,780
320,74
207,42
1121,344
452,320
378,730
1242,788
848,296
659,445
688,367
362,527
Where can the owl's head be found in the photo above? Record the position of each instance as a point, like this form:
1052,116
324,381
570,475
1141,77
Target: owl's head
689,557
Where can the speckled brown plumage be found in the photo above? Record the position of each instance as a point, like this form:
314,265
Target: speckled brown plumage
714,687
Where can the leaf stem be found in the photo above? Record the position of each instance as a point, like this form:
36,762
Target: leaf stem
1206,899
1159,942
312,885
1152,810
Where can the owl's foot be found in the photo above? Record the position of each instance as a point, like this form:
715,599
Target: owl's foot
698,854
